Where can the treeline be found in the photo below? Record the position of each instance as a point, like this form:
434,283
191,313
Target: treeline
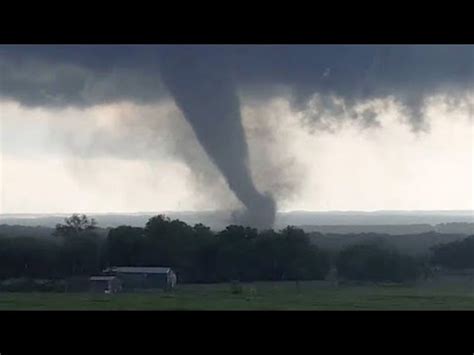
456,255
462,228
417,245
195,252
376,262
199,255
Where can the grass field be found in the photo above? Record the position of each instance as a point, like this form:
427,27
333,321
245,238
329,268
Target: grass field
257,296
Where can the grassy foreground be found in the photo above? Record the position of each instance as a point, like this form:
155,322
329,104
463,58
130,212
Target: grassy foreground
257,296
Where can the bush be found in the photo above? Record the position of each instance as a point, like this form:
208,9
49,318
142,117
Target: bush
49,285
31,285
236,288
17,285
377,263
455,255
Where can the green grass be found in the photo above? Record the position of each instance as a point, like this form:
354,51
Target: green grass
258,296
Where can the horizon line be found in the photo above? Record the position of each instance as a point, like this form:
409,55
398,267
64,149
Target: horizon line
229,211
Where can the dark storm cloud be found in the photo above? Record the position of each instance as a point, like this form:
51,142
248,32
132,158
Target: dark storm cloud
35,74
86,75
58,76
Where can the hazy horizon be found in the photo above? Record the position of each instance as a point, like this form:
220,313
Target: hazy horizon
397,222
461,211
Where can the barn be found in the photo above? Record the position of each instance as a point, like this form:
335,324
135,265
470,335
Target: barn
105,284
137,278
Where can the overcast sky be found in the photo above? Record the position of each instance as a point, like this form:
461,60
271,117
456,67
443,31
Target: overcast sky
93,130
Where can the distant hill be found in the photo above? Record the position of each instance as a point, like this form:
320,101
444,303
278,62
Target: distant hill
394,229
374,218
414,244
25,231
8,230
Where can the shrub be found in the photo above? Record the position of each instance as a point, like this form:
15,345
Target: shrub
17,285
31,285
377,263
236,288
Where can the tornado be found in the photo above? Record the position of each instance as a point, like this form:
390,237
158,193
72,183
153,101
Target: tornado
203,89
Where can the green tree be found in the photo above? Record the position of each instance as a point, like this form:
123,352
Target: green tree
81,250
75,225
376,262
455,255
124,246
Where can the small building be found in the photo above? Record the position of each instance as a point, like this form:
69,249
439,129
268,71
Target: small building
134,278
105,284
77,284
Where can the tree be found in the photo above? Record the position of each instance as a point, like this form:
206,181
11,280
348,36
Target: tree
80,256
75,225
300,258
235,257
80,252
205,253
269,249
28,257
455,255
376,262
124,246
170,243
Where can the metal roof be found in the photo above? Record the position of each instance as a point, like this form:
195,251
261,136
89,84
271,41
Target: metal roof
140,270
101,278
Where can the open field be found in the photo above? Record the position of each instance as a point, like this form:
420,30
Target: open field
257,296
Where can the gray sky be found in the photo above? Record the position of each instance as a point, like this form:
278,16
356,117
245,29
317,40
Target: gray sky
95,131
